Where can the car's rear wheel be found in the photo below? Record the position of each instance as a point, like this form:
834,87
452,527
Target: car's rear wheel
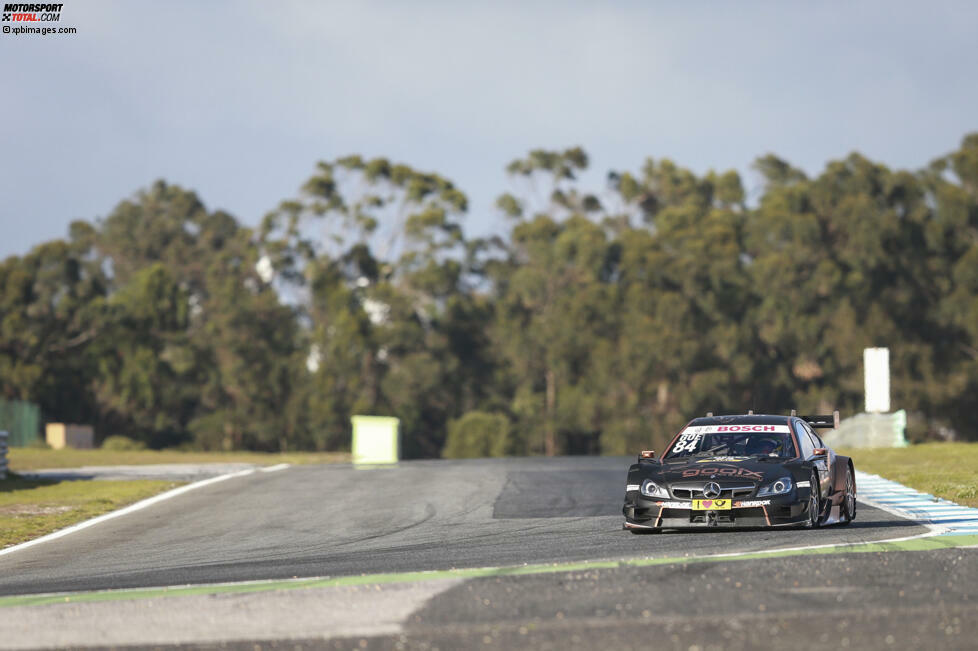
848,508
814,503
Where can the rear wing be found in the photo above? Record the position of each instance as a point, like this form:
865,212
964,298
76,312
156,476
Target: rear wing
822,421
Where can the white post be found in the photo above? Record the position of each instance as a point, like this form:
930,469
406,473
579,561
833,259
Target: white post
876,368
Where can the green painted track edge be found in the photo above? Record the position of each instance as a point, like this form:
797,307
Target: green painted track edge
913,544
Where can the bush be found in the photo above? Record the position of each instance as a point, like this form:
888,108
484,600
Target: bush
477,434
121,444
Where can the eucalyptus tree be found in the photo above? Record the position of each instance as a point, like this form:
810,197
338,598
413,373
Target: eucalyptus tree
842,262
599,323
952,238
682,291
228,360
553,301
50,311
376,257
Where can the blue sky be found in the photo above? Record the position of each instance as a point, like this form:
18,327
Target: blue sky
238,100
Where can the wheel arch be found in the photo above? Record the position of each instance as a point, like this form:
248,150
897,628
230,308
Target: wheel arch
839,475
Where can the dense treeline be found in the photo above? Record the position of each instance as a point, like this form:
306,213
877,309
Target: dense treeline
599,324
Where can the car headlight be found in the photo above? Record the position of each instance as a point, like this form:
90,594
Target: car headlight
779,487
652,489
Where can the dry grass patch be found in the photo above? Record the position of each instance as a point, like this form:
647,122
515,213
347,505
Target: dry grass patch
30,509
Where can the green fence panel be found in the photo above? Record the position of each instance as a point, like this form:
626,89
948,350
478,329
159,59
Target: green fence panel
22,420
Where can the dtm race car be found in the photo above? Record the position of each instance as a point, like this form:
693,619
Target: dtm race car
742,471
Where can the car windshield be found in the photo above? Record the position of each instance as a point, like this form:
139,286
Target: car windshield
752,440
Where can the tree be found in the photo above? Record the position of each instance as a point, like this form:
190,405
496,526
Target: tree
477,434
601,322
553,302
232,355
377,261
50,308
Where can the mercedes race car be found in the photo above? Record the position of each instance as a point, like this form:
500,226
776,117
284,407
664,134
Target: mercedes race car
742,471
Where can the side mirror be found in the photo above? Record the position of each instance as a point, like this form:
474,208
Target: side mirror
646,455
821,452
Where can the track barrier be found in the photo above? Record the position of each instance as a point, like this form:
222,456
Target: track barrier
22,422
870,431
375,440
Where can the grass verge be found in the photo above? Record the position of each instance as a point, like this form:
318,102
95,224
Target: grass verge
948,470
30,509
23,459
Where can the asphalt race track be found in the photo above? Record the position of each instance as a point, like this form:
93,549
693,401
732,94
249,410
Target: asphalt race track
334,521
428,515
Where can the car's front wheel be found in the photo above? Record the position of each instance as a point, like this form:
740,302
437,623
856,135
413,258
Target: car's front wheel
814,503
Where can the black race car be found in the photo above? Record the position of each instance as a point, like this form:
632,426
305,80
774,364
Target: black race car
742,471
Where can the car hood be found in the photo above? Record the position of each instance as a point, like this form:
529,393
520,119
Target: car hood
754,469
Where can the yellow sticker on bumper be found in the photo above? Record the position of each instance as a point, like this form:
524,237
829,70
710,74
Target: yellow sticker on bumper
711,505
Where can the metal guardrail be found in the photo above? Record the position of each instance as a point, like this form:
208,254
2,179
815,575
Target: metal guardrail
3,455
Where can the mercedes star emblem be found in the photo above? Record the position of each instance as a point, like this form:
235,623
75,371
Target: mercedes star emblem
711,490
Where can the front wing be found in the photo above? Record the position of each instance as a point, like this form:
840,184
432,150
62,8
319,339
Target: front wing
655,513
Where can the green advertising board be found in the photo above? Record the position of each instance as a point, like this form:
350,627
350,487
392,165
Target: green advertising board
22,420
375,440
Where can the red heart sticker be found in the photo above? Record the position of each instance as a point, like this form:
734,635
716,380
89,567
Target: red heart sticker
707,503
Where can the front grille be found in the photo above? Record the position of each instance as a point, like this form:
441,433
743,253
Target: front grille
695,492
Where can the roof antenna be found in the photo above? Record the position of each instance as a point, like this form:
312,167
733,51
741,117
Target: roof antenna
794,412
750,412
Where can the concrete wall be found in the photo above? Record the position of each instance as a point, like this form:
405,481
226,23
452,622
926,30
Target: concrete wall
869,431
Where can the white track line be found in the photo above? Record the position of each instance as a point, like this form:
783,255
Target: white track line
930,533
275,468
138,506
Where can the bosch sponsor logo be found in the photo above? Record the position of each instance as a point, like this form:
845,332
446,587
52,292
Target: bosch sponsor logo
31,13
735,429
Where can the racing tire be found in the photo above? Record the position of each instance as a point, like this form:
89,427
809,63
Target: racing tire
847,510
814,503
